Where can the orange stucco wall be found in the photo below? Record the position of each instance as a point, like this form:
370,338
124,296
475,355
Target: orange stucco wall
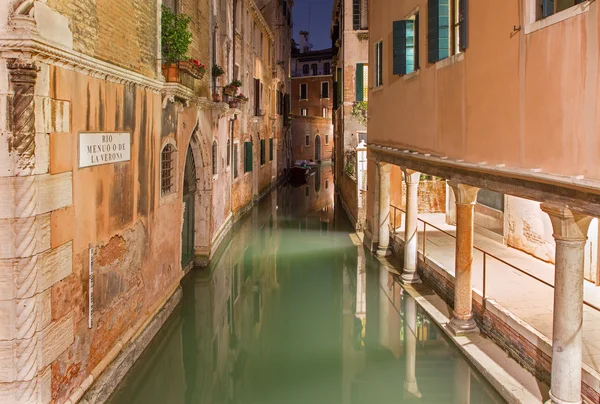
524,100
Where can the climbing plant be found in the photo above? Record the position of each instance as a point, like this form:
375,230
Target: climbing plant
175,36
362,36
359,112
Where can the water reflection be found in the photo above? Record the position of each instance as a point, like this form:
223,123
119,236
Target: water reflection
295,311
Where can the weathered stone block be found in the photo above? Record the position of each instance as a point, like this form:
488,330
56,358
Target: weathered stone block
10,227
60,151
54,192
57,264
55,339
53,26
42,153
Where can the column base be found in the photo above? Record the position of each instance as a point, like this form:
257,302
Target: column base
554,400
460,327
383,252
410,277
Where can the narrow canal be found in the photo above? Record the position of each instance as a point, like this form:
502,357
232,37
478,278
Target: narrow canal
295,311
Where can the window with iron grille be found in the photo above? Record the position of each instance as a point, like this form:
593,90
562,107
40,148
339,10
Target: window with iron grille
167,166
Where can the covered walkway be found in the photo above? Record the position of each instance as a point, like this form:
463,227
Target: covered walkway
529,300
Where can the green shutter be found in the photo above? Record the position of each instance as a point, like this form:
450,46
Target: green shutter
262,152
271,149
399,45
360,82
438,30
235,161
462,27
248,157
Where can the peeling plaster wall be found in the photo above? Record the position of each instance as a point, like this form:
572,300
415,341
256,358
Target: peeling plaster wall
529,229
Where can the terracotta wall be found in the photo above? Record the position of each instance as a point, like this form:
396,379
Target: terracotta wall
313,127
314,104
522,98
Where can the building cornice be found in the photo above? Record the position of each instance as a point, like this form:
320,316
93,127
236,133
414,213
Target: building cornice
258,16
20,43
576,192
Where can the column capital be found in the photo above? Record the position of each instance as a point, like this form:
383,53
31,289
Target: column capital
411,176
464,194
567,225
385,168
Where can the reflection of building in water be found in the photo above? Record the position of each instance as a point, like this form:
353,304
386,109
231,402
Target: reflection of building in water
391,348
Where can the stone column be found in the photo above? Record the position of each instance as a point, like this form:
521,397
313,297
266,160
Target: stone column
570,234
411,389
462,316
385,171
410,274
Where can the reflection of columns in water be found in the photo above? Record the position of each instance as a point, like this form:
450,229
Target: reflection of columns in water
372,309
384,307
395,321
410,342
462,381
570,234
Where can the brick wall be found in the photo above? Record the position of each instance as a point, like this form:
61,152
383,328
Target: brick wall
201,46
121,32
314,104
311,126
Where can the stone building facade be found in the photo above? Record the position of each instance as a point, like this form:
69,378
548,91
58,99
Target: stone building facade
349,35
434,110
114,182
312,101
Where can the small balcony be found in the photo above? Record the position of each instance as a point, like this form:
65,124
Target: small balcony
312,72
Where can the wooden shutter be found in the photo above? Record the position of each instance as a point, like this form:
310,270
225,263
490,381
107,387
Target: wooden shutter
356,14
262,152
359,82
235,160
462,27
256,96
271,149
248,157
547,8
399,45
410,46
438,30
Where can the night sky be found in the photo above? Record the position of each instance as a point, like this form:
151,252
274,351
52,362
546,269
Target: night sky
319,23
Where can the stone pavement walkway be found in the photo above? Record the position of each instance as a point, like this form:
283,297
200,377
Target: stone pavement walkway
525,297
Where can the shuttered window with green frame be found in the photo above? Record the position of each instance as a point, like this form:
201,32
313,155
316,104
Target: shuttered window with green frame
271,149
406,45
359,82
247,157
263,152
438,30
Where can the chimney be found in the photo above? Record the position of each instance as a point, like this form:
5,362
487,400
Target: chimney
305,46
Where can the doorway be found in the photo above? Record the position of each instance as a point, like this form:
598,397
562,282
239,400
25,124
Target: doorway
189,199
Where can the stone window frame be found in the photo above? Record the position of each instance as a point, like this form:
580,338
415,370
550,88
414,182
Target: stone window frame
174,188
328,90
235,161
533,22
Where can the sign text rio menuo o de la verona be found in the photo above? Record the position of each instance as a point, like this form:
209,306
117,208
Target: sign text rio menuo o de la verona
103,148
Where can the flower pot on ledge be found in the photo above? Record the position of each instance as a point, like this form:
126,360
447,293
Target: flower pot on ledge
171,72
234,104
192,69
229,91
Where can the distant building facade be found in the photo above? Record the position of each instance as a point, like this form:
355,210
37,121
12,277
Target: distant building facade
349,36
312,102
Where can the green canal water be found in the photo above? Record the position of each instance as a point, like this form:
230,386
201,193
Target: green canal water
295,311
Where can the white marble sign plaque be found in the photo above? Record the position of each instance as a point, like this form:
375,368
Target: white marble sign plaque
103,148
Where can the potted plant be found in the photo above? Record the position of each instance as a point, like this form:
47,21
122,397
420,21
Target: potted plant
234,103
241,98
230,90
217,71
175,41
236,83
193,67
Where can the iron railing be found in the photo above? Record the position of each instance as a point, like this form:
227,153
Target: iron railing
486,255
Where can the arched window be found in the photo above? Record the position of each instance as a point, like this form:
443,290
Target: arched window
167,169
214,157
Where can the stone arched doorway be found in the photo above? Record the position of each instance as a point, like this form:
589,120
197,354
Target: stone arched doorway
318,148
189,207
